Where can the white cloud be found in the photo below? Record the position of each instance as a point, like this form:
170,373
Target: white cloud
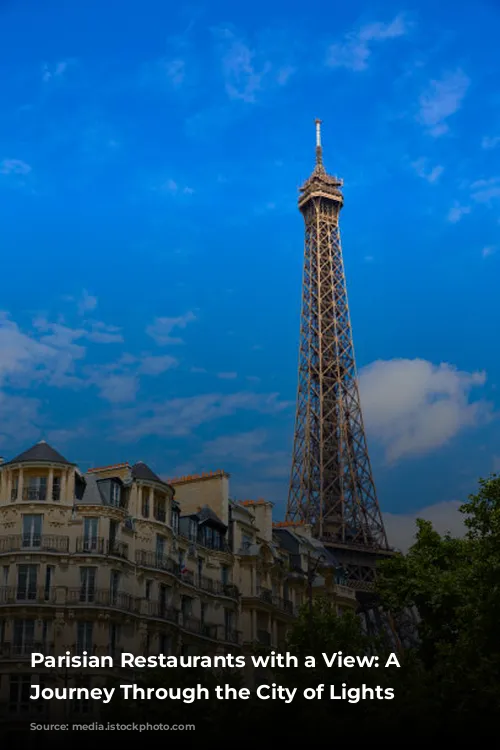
456,212
487,251
14,166
51,72
117,388
490,142
431,174
175,71
227,375
246,71
355,49
442,99
157,365
161,328
445,517
181,416
485,191
87,303
412,406
20,419
171,186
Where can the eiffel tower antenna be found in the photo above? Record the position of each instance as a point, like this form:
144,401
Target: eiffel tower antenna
331,483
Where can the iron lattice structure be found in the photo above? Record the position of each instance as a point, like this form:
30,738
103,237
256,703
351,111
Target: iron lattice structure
331,485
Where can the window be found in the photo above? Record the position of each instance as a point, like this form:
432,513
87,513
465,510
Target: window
165,644
82,705
114,639
224,575
84,632
24,636
208,537
145,504
147,593
19,693
200,567
115,494
203,609
175,520
56,489
160,547
49,572
193,530
228,623
26,582
186,606
113,529
87,584
45,634
164,599
6,575
113,586
36,489
32,531
159,509
246,542
90,528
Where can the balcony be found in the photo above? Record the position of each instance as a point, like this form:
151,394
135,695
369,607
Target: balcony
100,546
216,545
208,630
19,649
34,543
217,587
191,624
89,597
285,605
156,560
265,595
161,610
232,636
26,595
187,576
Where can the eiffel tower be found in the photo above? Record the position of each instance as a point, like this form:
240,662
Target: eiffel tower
331,484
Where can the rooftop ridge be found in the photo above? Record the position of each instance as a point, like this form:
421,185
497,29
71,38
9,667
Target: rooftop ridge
195,477
260,501
125,465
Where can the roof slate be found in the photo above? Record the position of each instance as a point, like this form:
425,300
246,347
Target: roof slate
40,452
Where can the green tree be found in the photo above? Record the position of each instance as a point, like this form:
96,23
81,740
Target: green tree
455,586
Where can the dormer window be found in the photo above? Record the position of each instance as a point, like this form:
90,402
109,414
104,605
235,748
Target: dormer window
115,494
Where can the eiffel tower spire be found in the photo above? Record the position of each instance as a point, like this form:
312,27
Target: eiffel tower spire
331,483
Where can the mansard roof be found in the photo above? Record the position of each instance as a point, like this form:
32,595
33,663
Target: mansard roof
41,452
140,470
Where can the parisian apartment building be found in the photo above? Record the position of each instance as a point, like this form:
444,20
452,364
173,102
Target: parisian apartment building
118,559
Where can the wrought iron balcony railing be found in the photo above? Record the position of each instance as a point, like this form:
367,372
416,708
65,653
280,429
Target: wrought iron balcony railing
156,560
161,610
35,542
26,594
101,546
217,587
92,597
232,636
24,648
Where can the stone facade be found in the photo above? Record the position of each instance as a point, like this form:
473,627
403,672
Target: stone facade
118,559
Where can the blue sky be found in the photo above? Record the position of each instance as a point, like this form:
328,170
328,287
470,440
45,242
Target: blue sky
152,248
